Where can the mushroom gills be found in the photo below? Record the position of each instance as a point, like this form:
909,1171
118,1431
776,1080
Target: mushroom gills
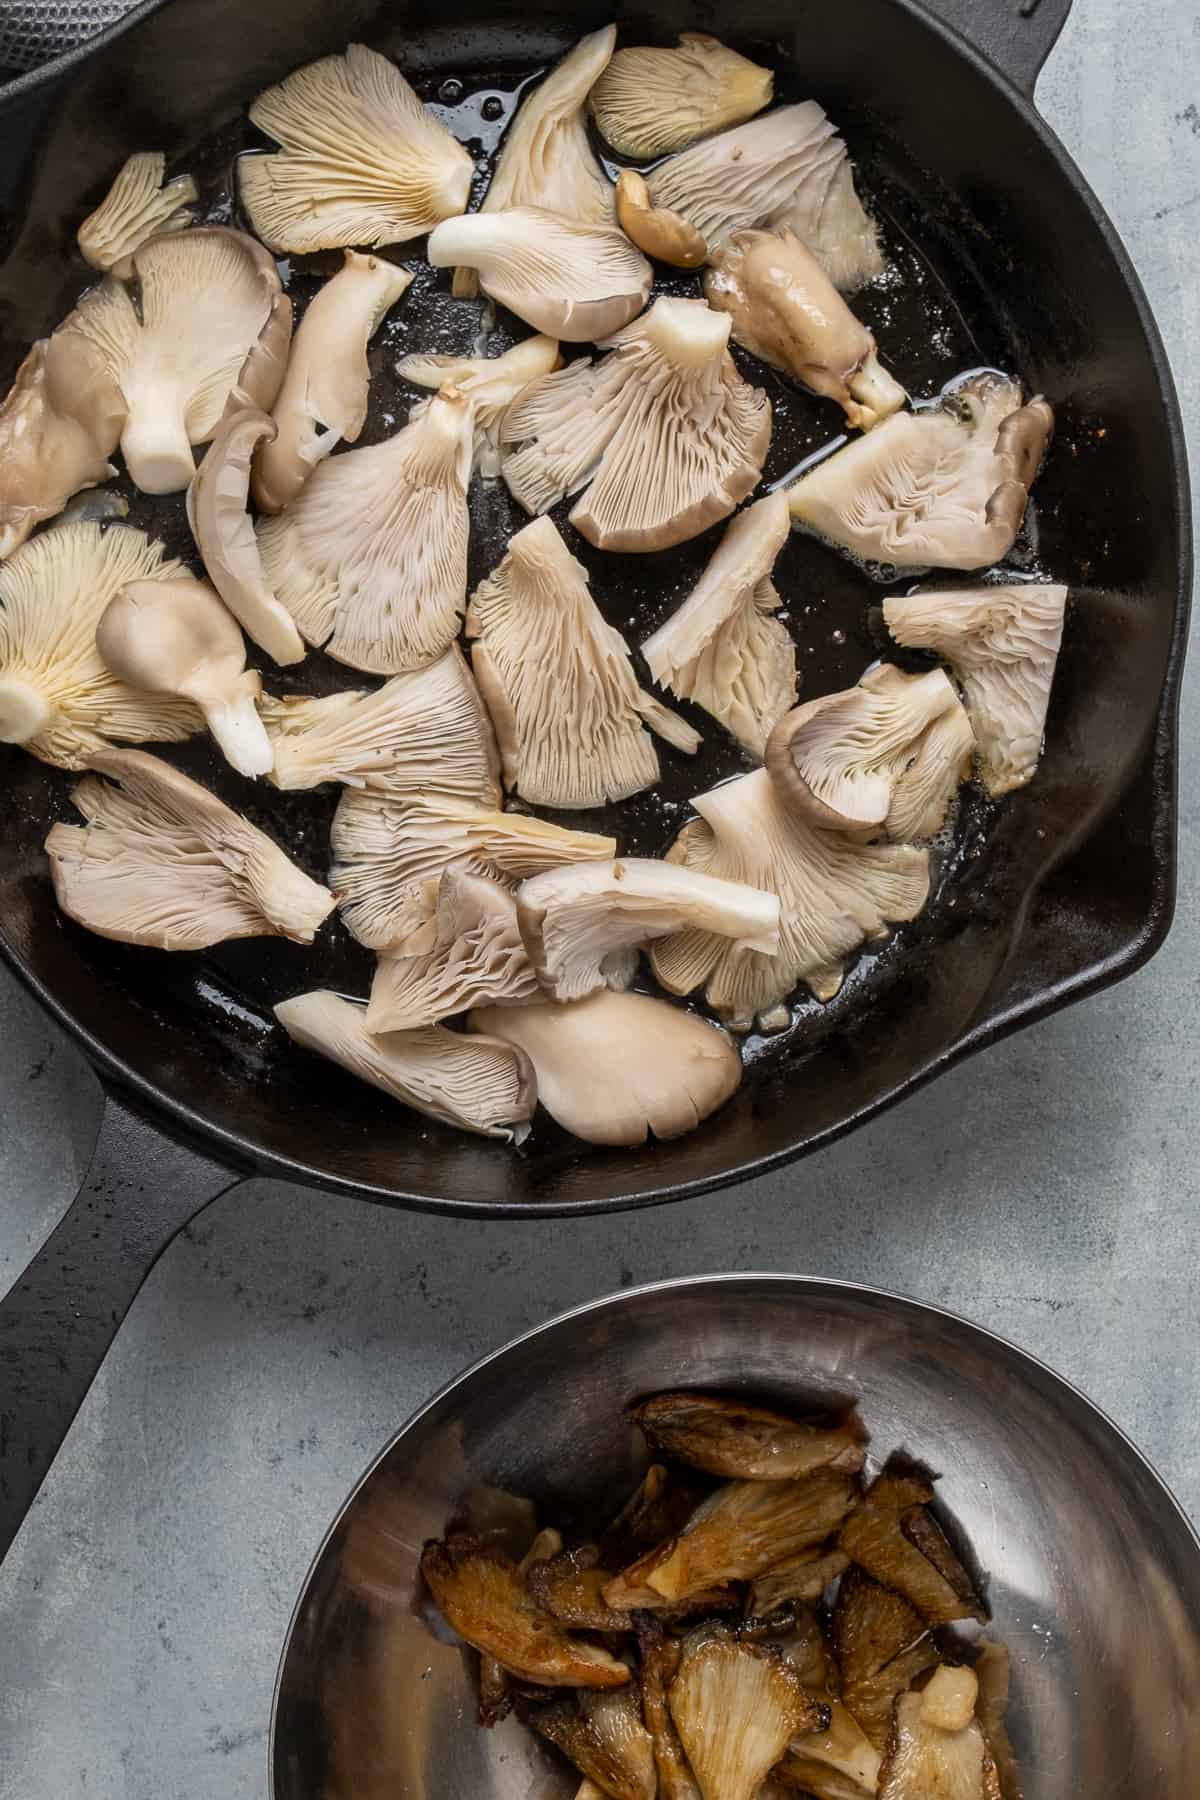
139,205
477,1084
493,383
466,953
898,1542
604,1736
736,1706
652,100
882,1646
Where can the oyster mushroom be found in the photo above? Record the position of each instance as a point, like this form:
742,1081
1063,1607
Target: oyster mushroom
736,1706
546,159
882,1645
386,847
926,1756
724,648
944,487
482,1595
59,424
491,382
57,697
836,761
663,432
745,1527
323,400
224,534
800,1578
175,638
899,1543
370,558
572,280
731,1438
790,170
834,892
661,1505
650,101
659,233
786,310
604,1736
138,206
362,161
570,1587
925,791
660,1664
210,322
467,952
557,681
475,1083
837,1761
614,1067
419,732
1002,643
163,863
582,926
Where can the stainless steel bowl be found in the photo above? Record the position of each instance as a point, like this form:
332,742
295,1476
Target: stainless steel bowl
1093,1572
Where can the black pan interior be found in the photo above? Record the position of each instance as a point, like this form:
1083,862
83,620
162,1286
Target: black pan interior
996,261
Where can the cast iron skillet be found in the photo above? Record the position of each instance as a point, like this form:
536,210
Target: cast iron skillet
1065,887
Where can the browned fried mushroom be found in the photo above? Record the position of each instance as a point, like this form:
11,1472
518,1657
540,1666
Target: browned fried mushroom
882,1645
736,1706
837,1761
603,1735
659,233
732,1438
570,1587
660,1505
900,1544
798,1578
937,1746
660,1664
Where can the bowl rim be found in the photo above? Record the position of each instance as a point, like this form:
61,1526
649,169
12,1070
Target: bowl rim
782,1279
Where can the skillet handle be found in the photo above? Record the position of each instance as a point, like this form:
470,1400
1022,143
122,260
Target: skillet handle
60,1317
1016,35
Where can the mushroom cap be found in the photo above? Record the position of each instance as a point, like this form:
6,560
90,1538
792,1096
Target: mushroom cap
573,281
57,697
723,648
386,847
163,863
925,791
557,679
943,487
657,232
323,399
834,892
136,207
370,558
789,168
478,1083
224,534
467,953
205,299
663,431
615,1067
491,382
59,423
427,731
650,101
362,160
1002,643
582,926
836,761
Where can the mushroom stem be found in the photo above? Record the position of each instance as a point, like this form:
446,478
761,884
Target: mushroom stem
241,734
690,336
877,395
23,711
157,451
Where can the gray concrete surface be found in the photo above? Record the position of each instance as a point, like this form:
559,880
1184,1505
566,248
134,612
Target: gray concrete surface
1049,1191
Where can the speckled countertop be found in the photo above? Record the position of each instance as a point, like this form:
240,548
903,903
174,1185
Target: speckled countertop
1049,1190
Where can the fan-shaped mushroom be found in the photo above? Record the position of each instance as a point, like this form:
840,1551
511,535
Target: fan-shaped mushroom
650,100
573,281
944,487
583,926
724,648
603,1735
210,320
898,1542
790,169
836,761
659,233
728,1437
386,847
60,422
1002,643
924,792
546,159
663,431
362,160
491,382
736,1706
164,863
137,206
786,310
323,400
467,952
224,534
57,697
926,1756
614,1067
423,731
833,893
838,1761
660,1656
477,1083
175,638
370,559
568,712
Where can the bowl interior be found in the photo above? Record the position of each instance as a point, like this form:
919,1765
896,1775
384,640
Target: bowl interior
1092,1574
